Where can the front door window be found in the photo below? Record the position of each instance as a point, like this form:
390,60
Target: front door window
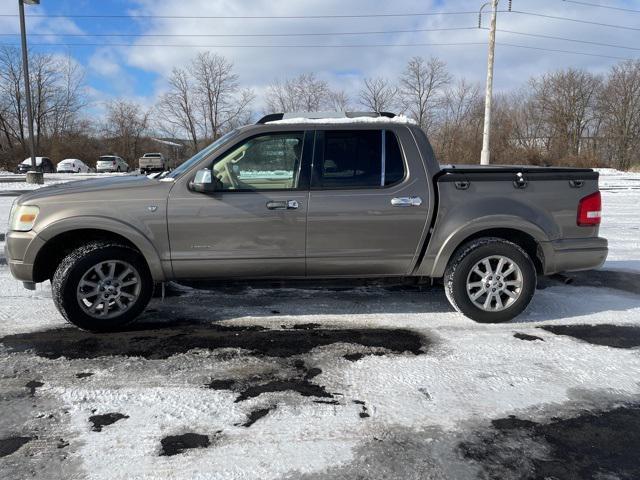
266,162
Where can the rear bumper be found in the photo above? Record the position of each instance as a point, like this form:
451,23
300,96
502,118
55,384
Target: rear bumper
574,254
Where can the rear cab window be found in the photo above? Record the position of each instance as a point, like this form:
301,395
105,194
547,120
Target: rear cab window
352,159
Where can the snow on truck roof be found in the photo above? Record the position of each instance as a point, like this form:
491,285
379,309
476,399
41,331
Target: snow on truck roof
344,121
336,118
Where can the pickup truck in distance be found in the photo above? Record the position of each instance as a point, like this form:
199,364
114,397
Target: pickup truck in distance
152,162
301,197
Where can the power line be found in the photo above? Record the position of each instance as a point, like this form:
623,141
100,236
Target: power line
562,51
551,37
363,45
575,20
249,17
297,46
589,4
318,34
306,34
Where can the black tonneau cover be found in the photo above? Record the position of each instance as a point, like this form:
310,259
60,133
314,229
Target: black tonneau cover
455,173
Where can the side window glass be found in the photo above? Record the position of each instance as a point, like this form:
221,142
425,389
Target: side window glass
394,165
352,159
359,159
267,162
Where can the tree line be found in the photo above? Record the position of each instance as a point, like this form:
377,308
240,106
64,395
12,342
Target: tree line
564,117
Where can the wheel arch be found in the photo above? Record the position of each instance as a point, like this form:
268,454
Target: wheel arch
60,241
527,236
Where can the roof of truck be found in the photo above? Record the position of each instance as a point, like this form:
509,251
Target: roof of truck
334,118
343,121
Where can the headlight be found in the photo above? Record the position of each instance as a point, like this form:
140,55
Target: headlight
23,217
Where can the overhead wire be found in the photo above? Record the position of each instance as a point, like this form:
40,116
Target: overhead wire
610,7
318,34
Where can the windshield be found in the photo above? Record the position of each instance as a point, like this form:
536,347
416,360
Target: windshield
202,154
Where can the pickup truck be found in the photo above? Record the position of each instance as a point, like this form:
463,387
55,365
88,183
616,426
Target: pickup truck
152,162
292,198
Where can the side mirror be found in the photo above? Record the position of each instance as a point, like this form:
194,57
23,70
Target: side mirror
205,182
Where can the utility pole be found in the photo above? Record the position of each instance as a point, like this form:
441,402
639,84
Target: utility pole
33,176
485,156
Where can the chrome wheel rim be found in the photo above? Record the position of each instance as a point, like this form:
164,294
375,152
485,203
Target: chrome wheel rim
494,283
108,289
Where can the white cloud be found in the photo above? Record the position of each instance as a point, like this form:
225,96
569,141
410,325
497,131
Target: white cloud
345,67
259,66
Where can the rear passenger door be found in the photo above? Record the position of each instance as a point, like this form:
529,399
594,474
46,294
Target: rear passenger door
367,209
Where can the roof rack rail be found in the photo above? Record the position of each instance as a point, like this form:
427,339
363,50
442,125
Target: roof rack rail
273,117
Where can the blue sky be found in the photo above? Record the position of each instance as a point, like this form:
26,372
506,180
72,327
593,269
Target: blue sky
139,72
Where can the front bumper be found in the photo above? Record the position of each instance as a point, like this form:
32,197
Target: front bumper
570,255
20,250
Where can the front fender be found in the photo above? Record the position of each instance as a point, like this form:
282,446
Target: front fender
135,236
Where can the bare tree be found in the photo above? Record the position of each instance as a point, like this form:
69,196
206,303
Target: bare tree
619,108
126,123
305,93
57,99
178,107
217,87
379,95
458,134
422,85
13,101
339,101
567,99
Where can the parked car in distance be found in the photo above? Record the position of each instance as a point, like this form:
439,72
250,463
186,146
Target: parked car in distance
111,163
152,162
43,164
72,165
361,196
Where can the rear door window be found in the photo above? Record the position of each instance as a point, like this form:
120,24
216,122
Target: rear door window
357,159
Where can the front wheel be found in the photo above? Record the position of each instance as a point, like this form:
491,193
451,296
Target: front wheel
102,286
490,280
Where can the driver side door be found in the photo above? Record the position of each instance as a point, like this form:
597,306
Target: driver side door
254,224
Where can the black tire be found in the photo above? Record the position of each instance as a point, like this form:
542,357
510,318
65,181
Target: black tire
64,284
463,261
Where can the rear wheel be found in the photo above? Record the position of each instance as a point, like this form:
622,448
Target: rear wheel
490,280
102,286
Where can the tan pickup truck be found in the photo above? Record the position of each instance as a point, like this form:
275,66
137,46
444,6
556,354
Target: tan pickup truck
354,197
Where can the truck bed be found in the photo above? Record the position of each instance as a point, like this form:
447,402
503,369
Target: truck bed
536,203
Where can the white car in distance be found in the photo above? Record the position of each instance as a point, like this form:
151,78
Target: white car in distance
72,165
111,163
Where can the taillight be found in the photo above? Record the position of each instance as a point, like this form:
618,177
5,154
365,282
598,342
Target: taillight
590,210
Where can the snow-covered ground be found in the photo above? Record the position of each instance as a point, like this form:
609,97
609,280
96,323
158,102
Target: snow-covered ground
333,383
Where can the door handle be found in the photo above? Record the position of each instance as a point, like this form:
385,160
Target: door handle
271,205
283,205
406,201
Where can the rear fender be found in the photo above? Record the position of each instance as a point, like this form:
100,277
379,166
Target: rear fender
435,264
